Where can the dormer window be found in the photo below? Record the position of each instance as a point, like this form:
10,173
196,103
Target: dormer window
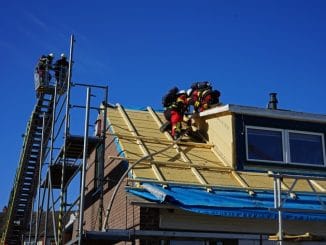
306,148
264,144
284,146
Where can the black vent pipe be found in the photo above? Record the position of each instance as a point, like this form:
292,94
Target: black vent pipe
272,104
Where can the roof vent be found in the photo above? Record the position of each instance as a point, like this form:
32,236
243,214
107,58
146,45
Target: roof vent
272,104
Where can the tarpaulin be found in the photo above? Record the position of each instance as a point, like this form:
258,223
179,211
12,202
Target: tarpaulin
235,203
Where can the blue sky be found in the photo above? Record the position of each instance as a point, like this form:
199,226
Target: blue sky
142,48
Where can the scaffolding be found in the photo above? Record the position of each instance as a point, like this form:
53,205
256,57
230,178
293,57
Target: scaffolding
282,194
53,162
67,160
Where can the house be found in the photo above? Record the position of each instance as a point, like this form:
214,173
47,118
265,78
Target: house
257,178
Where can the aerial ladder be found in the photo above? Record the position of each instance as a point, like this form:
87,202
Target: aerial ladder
25,184
50,162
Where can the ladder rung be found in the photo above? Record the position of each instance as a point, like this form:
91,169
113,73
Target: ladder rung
25,193
27,174
33,158
33,155
27,185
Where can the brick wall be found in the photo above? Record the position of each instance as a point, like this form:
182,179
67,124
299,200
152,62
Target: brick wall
123,215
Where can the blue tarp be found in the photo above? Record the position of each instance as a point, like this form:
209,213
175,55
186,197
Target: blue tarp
234,203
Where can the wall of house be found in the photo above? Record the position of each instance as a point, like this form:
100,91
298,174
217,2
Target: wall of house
182,220
241,121
219,130
123,215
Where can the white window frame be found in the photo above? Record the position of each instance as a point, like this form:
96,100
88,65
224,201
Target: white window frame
266,129
285,145
308,133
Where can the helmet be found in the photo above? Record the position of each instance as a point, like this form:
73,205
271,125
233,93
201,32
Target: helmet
63,55
51,55
189,91
181,92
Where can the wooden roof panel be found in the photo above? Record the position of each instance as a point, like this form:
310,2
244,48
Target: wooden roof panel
178,175
187,162
202,156
143,171
257,180
300,185
321,184
219,178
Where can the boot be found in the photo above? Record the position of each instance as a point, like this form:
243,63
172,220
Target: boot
165,126
176,136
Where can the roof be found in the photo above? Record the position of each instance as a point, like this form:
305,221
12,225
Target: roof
158,159
264,112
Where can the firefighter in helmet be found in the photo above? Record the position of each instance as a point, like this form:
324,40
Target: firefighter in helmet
175,113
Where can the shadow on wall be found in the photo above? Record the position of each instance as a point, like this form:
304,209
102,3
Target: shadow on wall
110,182
202,126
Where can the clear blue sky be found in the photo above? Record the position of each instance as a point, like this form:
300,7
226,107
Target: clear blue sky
142,48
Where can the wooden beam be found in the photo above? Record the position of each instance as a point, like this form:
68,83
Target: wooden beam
161,141
185,158
318,186
140,142
222,187
175,164
241,181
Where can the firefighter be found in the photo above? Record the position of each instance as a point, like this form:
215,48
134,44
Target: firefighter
40,71
175,113
48,67
42,74
60,71
202,96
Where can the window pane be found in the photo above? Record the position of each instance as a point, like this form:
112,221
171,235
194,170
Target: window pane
306,148
265,145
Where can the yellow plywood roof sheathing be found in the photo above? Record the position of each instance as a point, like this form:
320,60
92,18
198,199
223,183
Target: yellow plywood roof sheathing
187,162
306,184
161,141
242,183
208,186
141,144
175,164
317,185
179,150
194,168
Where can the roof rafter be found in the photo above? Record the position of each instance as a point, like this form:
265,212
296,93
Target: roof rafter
140,142
185,158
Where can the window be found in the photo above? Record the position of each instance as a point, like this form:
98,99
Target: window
306,148
265,145
285,146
